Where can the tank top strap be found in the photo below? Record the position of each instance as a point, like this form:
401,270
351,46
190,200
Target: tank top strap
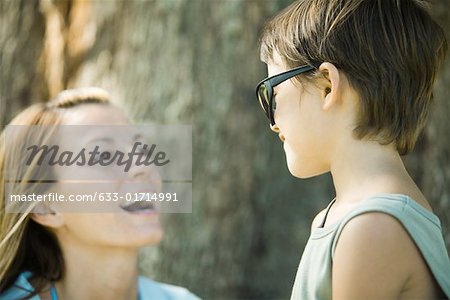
322,224
53,291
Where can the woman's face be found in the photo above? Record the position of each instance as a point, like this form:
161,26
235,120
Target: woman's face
117,223
301,123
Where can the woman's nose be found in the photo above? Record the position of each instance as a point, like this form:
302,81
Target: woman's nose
144,173
140,175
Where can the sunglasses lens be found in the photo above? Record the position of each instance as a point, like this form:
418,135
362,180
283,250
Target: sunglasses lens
263,97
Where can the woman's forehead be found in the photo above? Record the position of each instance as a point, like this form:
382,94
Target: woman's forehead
94,114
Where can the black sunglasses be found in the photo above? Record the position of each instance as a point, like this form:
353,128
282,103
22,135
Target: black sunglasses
264,89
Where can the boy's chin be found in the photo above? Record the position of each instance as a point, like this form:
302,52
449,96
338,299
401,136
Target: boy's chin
300,171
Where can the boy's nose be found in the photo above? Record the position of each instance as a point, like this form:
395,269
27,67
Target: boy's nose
275,128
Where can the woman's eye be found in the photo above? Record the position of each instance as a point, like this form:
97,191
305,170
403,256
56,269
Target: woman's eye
103,156
274,102
143,150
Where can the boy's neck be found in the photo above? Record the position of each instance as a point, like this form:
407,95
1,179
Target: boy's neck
366,169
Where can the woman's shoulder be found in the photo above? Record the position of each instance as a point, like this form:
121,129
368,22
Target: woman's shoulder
150,289
21,288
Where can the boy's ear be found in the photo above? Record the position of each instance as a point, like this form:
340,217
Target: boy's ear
332,89
46,216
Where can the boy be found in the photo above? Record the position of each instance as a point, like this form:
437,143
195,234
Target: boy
349,88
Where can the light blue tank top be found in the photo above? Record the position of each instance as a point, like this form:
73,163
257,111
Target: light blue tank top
147,290
313,279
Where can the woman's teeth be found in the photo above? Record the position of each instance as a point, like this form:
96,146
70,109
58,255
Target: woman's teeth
138,205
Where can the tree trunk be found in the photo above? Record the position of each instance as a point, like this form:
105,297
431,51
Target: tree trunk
435,159
21,41
197,62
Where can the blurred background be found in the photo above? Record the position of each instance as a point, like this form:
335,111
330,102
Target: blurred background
197,62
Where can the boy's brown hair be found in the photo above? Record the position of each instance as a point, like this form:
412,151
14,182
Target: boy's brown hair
390,51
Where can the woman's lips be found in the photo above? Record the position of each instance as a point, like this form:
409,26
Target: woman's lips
138,206
281,137
141,205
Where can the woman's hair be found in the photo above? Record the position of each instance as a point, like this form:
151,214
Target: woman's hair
390,51
25,244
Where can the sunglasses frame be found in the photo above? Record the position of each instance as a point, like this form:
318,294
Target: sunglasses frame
271,82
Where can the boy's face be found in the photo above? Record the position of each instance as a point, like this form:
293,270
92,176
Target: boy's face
305,129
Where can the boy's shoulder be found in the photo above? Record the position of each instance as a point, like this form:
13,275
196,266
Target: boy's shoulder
378,244
381,218
376,229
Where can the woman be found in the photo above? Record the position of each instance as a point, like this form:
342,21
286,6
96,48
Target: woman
47,251
349,88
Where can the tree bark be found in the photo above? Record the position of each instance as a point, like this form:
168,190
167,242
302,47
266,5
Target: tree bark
435,159
21,41
197,62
